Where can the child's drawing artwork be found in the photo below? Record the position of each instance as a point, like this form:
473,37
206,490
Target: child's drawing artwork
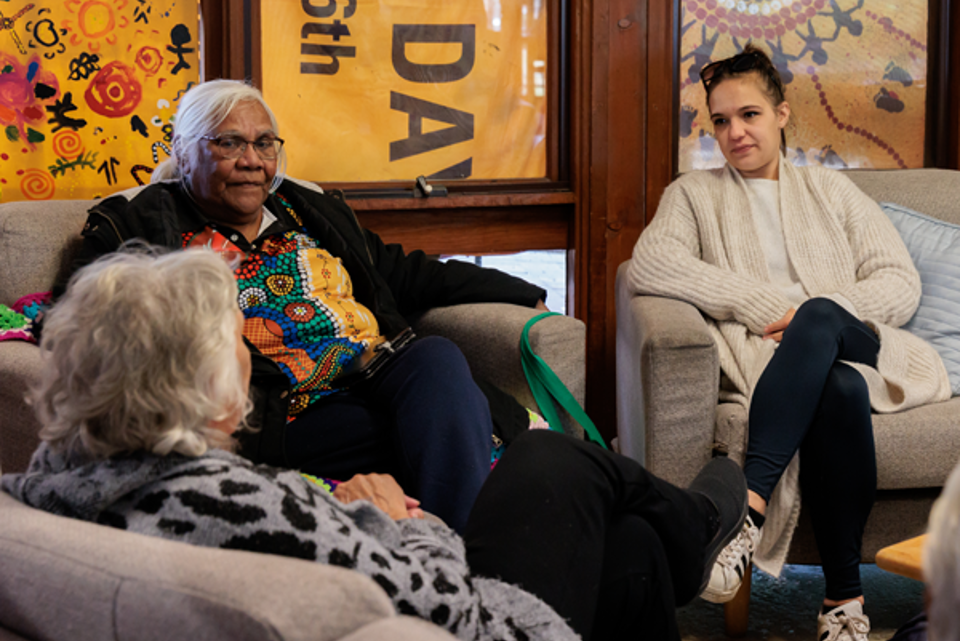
88,91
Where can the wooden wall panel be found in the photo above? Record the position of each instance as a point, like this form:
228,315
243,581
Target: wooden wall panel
227,45
471,231
627,161
952,133
663,107
212,52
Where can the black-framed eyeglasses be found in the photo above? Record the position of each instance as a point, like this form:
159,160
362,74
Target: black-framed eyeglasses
231,147
740,63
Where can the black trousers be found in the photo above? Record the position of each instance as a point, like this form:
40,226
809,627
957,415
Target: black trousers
807,400
612,548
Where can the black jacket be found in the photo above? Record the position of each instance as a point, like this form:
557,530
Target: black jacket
393,285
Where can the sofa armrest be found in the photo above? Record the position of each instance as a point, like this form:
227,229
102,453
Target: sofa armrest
668,381
65,579
19,368
489,336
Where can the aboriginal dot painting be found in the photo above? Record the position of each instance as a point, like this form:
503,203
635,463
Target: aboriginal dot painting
854,70
88,92
298,305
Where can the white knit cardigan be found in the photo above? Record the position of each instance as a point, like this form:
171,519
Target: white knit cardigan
702,247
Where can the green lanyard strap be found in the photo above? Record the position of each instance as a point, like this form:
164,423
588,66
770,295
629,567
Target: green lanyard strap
547,386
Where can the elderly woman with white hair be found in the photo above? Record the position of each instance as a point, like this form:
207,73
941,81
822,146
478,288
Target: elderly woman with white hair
145,382
342,386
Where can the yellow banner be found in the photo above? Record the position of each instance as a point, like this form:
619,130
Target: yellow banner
391,89
88,90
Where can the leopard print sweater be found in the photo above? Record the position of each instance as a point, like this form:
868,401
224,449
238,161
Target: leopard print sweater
221,500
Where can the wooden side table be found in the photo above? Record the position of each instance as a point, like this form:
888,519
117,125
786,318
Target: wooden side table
903,558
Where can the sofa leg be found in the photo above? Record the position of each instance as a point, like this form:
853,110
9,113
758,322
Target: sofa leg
736,613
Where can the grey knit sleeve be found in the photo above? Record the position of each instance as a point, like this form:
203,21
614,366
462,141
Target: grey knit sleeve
887,287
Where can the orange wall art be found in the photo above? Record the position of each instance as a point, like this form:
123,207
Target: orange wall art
88,90
855,73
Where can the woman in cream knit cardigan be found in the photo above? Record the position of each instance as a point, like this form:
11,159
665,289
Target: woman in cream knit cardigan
805,282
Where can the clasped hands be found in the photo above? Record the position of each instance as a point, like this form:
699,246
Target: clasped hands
774,330
383,491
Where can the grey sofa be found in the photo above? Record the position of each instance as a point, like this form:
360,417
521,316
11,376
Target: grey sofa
668,377
64,579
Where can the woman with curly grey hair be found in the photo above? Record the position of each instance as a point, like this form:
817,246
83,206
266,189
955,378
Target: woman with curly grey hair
145,383
139,381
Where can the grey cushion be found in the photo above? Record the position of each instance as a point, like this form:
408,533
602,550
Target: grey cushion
489,336
934,246
37,241
67,579
919,447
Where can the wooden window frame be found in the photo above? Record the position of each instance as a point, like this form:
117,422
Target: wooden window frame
943,85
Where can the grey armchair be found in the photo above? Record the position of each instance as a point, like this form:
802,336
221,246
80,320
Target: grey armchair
64,579
668,377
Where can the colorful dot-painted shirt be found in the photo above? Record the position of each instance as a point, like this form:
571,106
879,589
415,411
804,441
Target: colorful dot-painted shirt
299,307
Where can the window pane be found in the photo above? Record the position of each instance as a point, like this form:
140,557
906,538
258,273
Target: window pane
371,90
855,73
547,269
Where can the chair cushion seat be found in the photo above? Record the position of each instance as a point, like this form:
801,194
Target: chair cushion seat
915,449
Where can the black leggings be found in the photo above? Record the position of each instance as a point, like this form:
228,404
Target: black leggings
612,548
807,400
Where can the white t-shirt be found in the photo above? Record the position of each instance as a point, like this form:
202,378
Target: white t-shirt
765,206
764,197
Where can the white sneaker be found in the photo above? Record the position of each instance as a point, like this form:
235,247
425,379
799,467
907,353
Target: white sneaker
845,622
732,564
